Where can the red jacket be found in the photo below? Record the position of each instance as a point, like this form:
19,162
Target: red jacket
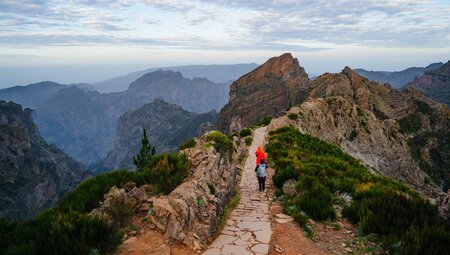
259,155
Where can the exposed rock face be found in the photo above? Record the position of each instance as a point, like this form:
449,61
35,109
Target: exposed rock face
167,126
81,122
435,83
191,213
269,90
400,78
192,210
33,174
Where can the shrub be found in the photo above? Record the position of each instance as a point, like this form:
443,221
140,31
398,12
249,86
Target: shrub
245,132
406,222
293,116
264,121
190,143
165,171
222,143
248,141
121,209
411,123
212,188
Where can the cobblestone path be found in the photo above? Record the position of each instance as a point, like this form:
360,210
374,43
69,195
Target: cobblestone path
248,229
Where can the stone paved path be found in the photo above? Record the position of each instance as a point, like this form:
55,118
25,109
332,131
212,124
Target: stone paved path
248,228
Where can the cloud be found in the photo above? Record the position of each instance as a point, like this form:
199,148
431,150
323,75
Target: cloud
228,24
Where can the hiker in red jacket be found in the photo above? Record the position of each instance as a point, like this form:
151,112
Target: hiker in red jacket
259,155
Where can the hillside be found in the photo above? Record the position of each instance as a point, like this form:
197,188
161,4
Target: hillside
33,174
397,133
168,125
399,78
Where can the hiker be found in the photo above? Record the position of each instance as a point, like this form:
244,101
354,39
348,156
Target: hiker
261,173
259,155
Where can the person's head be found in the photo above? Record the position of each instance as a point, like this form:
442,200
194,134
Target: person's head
262,161
259,149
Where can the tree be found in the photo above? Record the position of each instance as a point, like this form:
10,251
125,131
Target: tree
145,154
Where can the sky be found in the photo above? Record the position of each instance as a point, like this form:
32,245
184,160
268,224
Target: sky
91,40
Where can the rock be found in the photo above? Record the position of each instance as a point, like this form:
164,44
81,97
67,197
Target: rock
133,233
281,82
278,248
289,187
348,250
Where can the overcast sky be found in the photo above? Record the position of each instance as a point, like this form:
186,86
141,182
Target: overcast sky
126,35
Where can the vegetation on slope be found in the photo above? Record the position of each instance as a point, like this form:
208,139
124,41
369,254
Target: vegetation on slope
67,228
405,221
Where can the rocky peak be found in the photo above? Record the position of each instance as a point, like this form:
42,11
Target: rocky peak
268,90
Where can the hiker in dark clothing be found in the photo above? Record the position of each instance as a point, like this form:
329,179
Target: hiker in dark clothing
261,173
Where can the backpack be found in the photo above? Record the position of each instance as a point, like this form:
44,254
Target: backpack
261,172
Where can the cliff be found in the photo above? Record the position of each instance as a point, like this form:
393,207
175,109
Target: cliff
33,174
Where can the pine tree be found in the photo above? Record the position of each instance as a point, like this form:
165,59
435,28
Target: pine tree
145,154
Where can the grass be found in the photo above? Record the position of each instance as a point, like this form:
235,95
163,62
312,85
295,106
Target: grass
228,208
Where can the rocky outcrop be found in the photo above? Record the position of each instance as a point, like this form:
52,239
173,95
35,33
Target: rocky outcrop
191,213
435,83
33,174
269,90
167,126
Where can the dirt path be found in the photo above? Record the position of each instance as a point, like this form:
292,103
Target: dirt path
248,229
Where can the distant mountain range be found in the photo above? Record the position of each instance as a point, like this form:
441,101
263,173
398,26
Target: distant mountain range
82,122
33,174
399,78
216,73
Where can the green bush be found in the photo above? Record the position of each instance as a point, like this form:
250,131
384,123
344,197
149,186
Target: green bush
411,123
245,132
264,121
406,222
190,143
68,229
293,116
222,143
248,141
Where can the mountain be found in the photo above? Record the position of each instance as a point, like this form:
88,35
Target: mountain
399,78
79,122
167,126
215,73
31,95
400,134
196,95
269,90
33,174
82,122
435,83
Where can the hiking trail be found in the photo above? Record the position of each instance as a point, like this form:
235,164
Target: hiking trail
247,230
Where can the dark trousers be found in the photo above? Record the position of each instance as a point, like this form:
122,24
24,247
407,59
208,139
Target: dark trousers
262,183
